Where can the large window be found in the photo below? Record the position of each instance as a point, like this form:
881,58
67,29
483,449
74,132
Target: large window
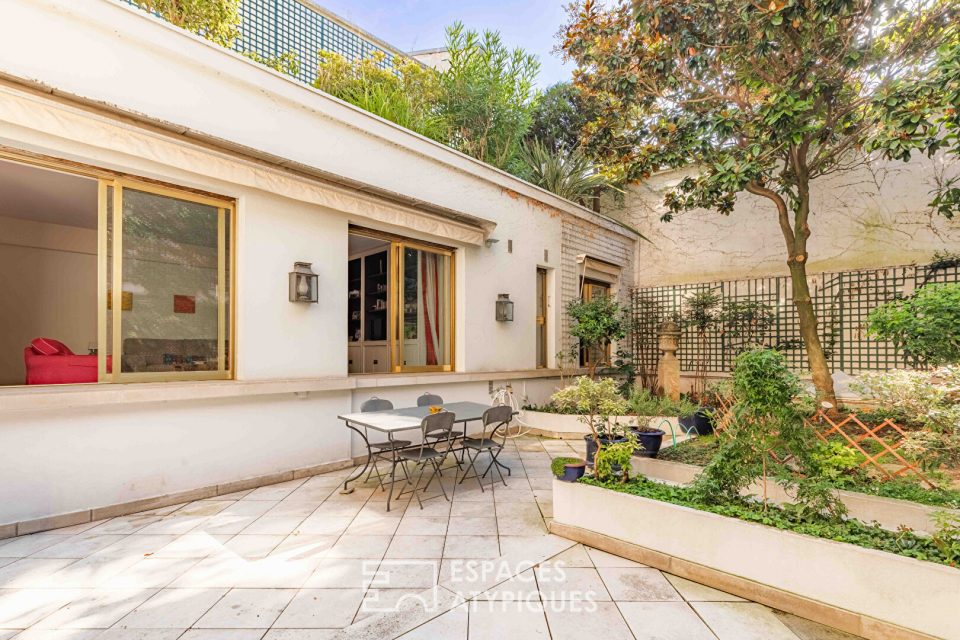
171,251
400,304
108,279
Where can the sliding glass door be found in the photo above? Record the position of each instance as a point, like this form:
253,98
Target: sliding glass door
422,335
165,284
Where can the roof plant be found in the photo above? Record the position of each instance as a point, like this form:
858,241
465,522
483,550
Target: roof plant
216,20
488,95
765,98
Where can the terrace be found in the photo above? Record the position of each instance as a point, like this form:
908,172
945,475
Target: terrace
298,559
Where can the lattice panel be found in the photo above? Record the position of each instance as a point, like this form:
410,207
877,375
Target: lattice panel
843,301
878,444
274,27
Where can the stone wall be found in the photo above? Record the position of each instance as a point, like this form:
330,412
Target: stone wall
875,216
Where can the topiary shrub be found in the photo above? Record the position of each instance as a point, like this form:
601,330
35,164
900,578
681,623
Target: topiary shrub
557,464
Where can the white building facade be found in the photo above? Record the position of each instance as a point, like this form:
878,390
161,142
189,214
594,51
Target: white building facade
132,152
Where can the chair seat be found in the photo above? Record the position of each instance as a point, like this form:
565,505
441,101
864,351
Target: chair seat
416,454
481,443
387,446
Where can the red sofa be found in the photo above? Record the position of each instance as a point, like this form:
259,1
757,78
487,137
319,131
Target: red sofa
49,361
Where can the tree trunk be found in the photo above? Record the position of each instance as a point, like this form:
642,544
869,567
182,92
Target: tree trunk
795,236
807,316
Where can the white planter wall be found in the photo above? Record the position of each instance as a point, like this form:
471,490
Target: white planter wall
909,593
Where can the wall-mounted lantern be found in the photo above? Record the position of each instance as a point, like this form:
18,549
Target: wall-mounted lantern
504,308
303,283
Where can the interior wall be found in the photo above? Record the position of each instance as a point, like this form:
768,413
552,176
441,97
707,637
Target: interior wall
156,276
48,288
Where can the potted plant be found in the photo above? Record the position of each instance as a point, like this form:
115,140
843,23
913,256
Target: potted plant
568,469
647,406
701,313
597,323
596,402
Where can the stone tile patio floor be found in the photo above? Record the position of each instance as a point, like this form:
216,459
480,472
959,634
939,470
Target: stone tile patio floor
294,561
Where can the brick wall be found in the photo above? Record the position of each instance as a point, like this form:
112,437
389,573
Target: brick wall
601,240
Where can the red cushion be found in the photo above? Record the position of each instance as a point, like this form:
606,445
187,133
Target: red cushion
50,347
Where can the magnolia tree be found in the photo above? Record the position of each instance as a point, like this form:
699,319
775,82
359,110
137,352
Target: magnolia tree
765,98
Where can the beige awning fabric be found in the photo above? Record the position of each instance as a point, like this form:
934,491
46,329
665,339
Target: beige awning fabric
599,270
47,124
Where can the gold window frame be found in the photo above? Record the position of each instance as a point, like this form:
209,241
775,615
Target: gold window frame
226,345
395,296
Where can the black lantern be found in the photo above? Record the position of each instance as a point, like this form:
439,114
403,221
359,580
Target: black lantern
303,283
504,308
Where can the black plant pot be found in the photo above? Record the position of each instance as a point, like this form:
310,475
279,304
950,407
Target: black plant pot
650,442
701,422
573,472
592,445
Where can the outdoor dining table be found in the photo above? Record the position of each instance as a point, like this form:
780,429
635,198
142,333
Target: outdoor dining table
392,421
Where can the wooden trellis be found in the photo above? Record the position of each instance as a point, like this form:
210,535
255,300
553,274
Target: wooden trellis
855,432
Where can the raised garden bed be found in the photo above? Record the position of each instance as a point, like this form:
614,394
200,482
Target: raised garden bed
871,593
889,513
699,451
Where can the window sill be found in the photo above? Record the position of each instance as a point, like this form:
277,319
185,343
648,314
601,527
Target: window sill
88,395
54,397
372,380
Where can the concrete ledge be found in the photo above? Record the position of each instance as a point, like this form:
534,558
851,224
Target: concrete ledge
870,593
126,508
91,395
889,513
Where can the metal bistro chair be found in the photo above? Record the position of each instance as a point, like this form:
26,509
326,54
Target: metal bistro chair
498,420
441,426
384,451
433,400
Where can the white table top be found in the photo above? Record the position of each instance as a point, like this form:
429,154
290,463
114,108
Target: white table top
405,418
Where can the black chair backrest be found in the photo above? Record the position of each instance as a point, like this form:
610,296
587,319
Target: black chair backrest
375,404
438,424
497,418
429,400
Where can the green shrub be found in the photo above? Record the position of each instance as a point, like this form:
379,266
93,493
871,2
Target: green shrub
613,460
557,464
930,401
643,402
764,430
595,401
946,538
835,462
925,326
597,323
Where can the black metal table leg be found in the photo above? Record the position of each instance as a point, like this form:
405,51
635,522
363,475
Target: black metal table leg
366,464
393,468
